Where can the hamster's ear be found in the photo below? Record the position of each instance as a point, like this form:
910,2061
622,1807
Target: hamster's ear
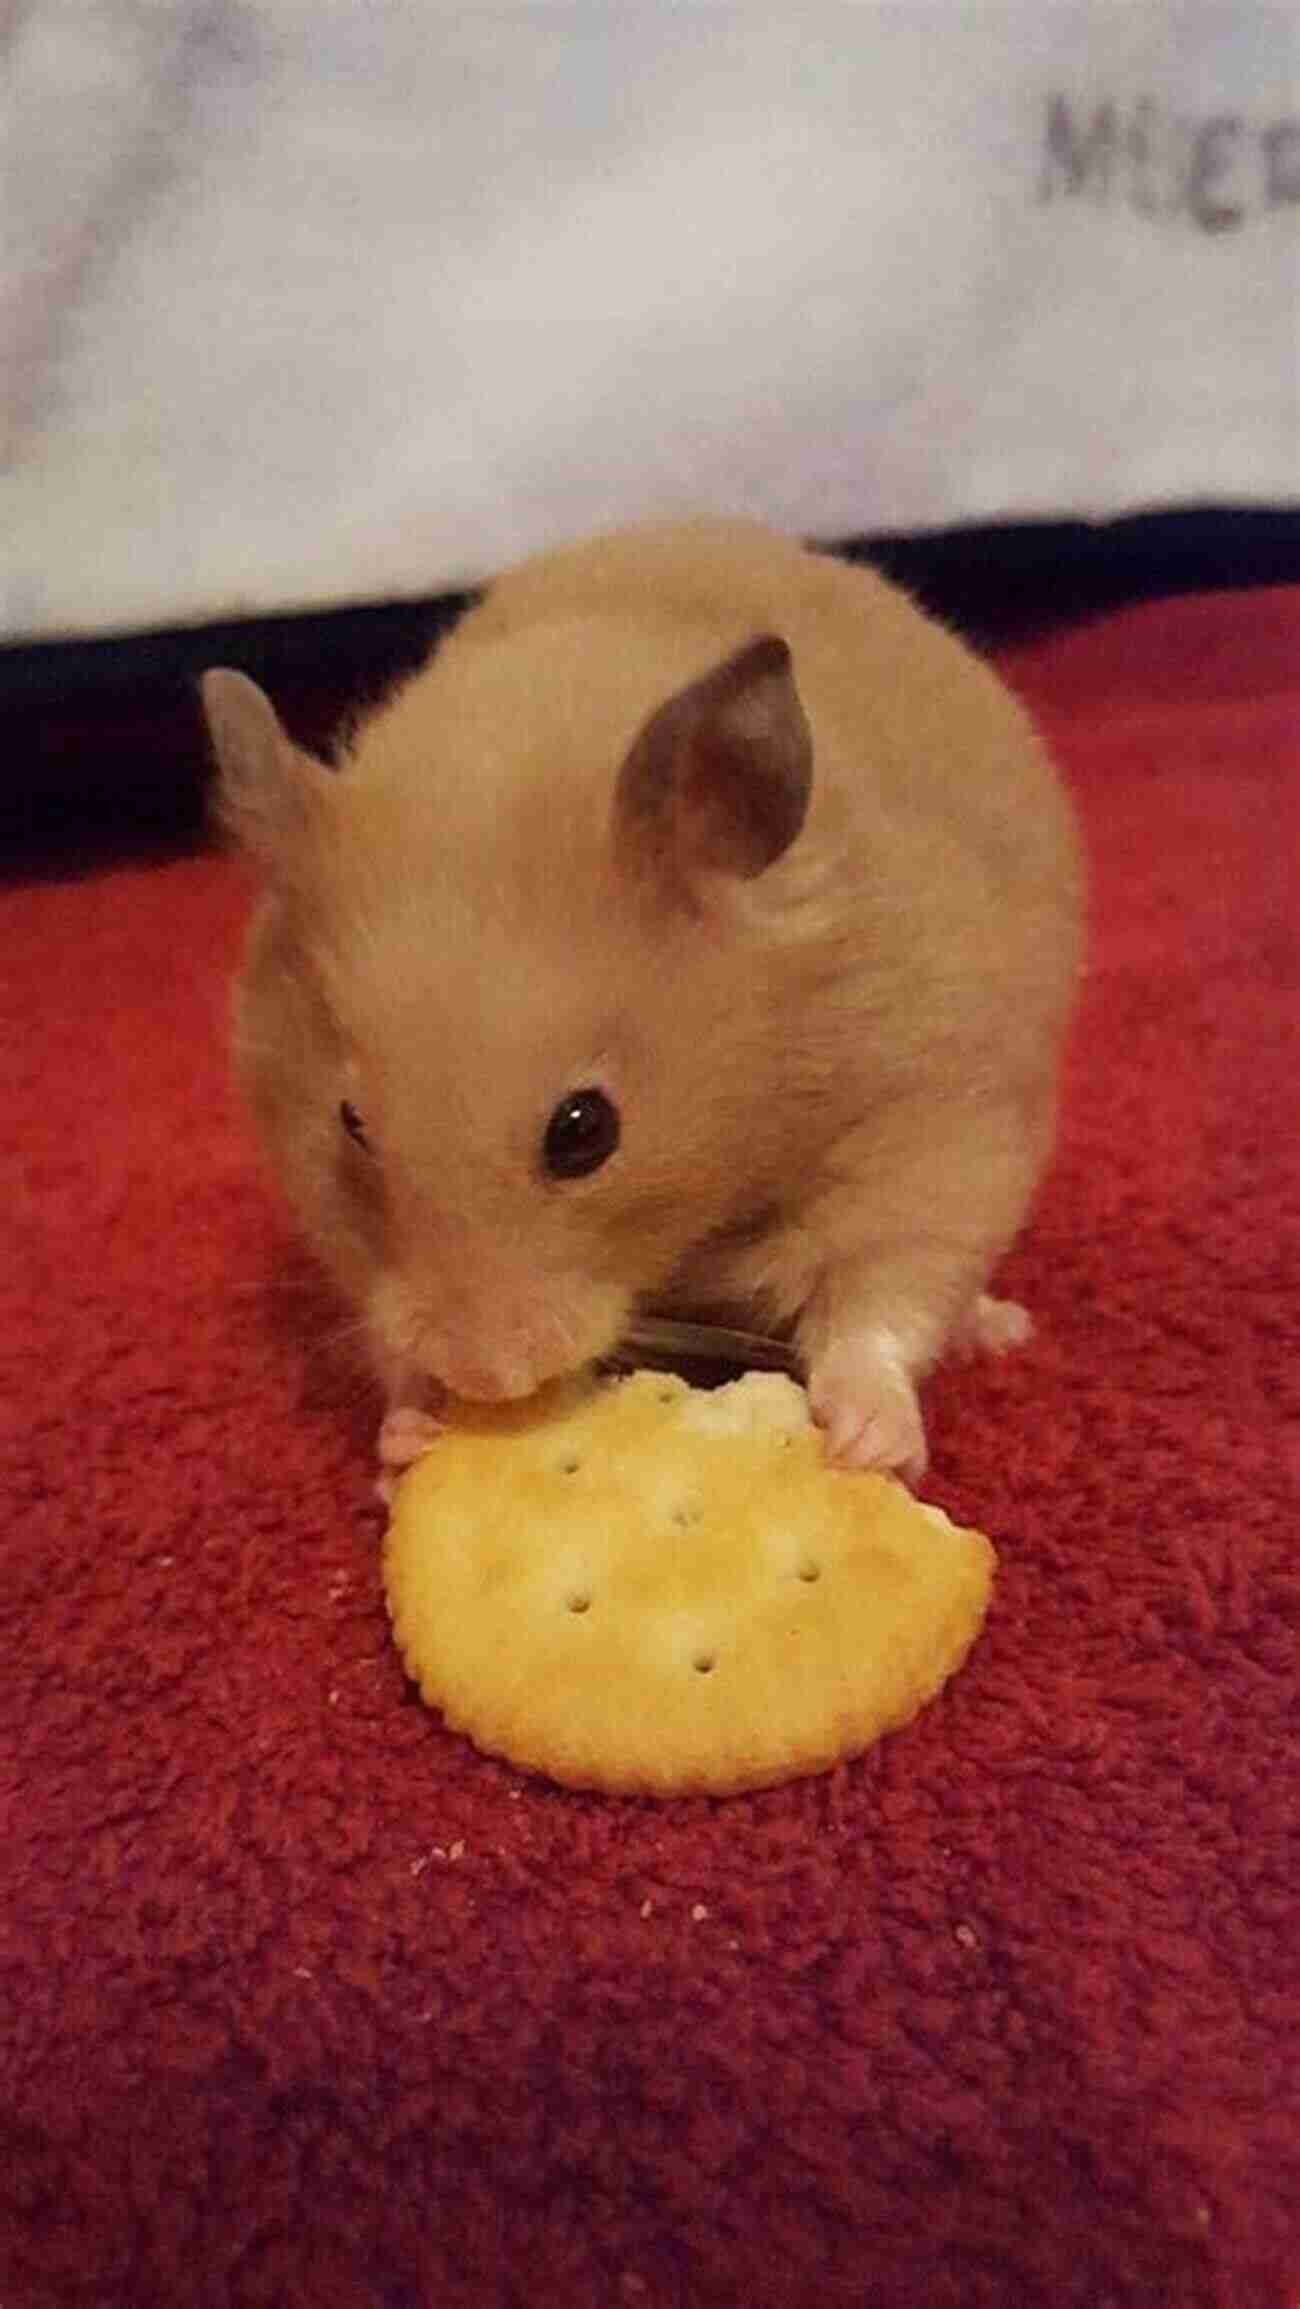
268,793
717,780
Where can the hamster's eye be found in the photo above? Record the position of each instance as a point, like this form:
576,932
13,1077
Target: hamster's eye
352,1123
581,1135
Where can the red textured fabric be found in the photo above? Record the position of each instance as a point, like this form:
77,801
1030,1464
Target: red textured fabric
305,2003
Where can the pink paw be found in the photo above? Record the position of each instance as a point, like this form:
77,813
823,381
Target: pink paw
867,1408
405,1435
992,1326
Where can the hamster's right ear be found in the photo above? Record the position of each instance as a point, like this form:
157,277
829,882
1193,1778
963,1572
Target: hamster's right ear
716,783
269,794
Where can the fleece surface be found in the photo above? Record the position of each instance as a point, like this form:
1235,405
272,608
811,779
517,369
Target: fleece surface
303,2003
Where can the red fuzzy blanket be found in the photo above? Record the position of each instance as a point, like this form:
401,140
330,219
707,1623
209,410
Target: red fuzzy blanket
304,2003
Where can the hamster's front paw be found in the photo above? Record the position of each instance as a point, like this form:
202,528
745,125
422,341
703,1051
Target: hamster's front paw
866,1405
993,1326
405,1435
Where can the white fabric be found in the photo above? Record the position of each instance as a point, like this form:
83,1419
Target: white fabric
315,301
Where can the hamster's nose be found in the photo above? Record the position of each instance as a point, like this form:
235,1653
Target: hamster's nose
475,1381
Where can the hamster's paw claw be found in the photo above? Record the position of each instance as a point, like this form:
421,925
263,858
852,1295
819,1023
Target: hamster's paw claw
869,1416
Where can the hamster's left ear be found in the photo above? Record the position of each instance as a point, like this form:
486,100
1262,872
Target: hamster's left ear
717,781
269,793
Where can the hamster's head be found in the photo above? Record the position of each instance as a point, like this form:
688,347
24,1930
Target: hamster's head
507,1021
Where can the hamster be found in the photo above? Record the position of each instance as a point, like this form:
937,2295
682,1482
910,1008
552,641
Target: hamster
697,929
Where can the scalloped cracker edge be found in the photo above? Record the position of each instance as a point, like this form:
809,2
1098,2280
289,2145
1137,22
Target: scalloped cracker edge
633,1585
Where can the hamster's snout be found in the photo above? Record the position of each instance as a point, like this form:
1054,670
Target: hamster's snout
487,1382
480,1370
500,1344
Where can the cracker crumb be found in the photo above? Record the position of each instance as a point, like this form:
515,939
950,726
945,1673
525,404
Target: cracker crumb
699,1912
165,1562
302,1972
647,1908
965,1935
334,1697
456,1851
631,2284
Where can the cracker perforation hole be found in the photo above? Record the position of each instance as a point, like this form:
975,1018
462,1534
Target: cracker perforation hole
578,1602
704,1663
570,1465
809,1571
686,1512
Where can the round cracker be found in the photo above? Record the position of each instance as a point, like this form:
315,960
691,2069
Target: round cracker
646,1588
